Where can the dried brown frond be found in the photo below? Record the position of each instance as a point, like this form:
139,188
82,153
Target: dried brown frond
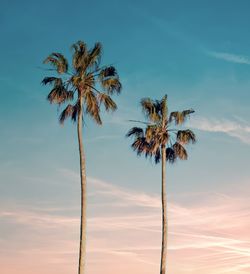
107,72
180,151
140,146
180,117
58,61
170,155
111,84
151,109
67,112
149,133
79,56
158,156
52,80
94,56
59,95
136,132
186,136
92,106
107,101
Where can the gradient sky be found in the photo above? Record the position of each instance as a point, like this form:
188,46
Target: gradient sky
198,52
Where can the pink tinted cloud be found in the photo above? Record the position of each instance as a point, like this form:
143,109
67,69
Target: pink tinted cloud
208,234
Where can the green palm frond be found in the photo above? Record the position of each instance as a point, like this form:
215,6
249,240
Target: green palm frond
186,136
58,61
180,151
179,117
107,101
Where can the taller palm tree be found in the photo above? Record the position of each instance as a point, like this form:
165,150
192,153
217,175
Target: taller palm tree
164,143
89,86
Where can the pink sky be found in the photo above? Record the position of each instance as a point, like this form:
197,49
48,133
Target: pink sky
208,234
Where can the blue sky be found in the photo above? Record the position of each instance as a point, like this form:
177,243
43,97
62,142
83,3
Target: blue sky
198,52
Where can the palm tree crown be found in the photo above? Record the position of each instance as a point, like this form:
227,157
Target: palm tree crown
92,83
159,134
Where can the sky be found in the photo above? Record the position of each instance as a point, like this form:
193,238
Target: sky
196,52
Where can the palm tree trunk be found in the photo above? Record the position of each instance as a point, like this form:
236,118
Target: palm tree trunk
82,249
164,213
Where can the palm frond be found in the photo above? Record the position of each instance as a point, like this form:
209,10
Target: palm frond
52,81
158,156
107,72
80,55
107,101
155,144
58,61
59,95
92,106
94,55
151,109
137,132
140,146
180,151
150,132
67,112
163,107
111,84
76,110
170,155
186,136
179,117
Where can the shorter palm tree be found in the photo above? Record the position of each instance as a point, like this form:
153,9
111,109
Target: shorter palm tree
163,143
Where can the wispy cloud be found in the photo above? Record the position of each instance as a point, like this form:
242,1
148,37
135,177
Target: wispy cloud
237,129
124,234
229,57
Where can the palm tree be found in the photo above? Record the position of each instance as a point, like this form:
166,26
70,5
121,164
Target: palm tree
163,143
89,86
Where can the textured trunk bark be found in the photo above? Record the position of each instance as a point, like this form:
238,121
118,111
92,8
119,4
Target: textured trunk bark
164,213
82,249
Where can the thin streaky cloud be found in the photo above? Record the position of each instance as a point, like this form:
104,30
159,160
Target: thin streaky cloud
236,129
230,57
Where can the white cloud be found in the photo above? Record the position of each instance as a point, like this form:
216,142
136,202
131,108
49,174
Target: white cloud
229,57
236,129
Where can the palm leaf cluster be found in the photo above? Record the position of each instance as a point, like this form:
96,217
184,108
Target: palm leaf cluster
159,133
85,85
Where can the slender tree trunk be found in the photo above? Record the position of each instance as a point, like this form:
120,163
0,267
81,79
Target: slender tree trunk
164,212
82,249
